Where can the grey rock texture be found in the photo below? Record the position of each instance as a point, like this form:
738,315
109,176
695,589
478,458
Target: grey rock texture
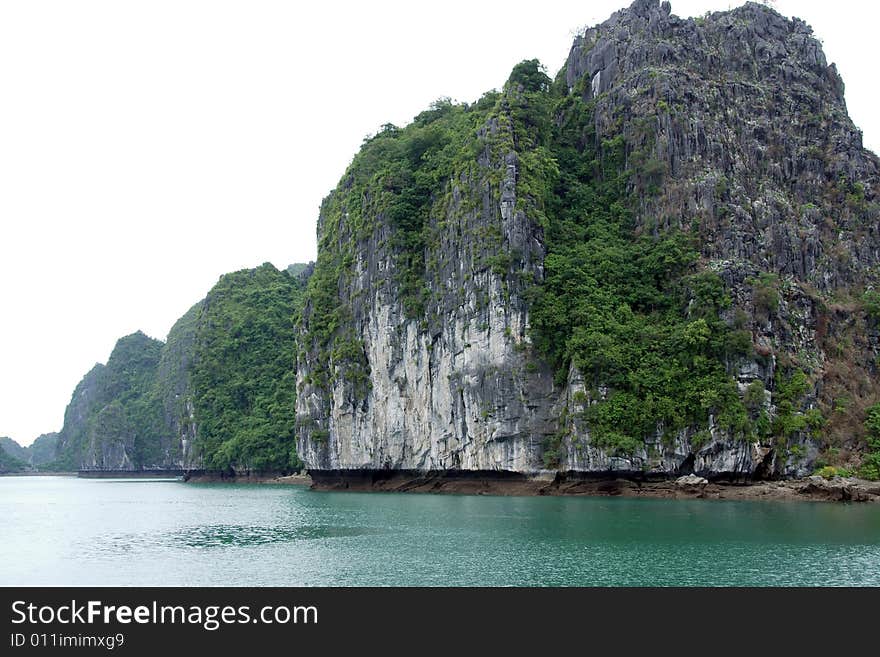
751,125
72,437
691,480
747,123
453,390
43,450
173,387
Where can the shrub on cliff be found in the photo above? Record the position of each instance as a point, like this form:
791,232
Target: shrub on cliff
871,461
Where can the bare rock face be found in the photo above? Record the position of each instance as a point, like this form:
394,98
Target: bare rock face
751,124
451,389
743,122
839,489
175,394
691,480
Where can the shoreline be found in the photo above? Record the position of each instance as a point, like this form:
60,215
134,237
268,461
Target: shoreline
39,474
503,483
809,489
196,477
249,478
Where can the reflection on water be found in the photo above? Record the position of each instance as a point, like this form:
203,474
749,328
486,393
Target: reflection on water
67,531
236,535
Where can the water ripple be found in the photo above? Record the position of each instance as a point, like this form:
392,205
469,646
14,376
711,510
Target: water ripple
244,536
221,536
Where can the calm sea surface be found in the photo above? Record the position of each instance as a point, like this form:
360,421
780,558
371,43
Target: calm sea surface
68,531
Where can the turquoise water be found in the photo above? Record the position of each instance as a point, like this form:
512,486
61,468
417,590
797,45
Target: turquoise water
68,531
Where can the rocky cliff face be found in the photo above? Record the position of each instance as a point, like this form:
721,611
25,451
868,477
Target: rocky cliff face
173,389
747,123
42,452
444,238
422,363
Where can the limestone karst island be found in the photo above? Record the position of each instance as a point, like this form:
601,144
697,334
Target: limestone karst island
654,271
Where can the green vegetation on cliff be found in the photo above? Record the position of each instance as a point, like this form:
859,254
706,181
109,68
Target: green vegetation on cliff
871,463
43,451
403,178
628,306
400,176
39,455
219,394
625,299
243,371
13,449
10,456
112,421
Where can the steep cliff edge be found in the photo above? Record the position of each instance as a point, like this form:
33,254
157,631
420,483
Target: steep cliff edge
661,262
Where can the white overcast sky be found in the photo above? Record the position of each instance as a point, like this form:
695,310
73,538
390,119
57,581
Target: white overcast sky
148,147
